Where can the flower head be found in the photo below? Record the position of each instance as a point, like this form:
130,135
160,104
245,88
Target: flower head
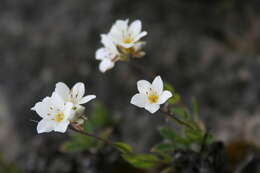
121,43
127,36
108,54
150,96
55,113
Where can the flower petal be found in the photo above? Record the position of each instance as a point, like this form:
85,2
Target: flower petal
45,126
86,99
78,91
157,85
135,28
164,97
105,65
119,26
108,43
62,90
139,36
43,108
62,126
139,100
68,111
57,101
101,53
143,86
126,45
152,108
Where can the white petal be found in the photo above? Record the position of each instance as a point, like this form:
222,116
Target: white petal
78,91
135,27
157,85
43,108
62,126
164,97
62,90
108,43
57,101
118,30
68,111
86,99
139,36
101,53
45,126
120,25
139,100
127,45
143,86
152,108
105,65
79,111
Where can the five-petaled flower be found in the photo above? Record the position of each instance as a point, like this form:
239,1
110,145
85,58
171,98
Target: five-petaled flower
127,36
55,113
150,96
108,54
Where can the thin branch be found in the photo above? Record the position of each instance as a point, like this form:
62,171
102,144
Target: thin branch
170,116
81,131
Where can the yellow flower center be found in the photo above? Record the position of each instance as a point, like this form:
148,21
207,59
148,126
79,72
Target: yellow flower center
59,117
153,98
127,40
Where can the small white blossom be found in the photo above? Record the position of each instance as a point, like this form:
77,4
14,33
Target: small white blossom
127,36
75,96
150,96
55,113
108,54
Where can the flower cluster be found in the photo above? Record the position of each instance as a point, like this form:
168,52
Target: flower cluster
122,42
64,106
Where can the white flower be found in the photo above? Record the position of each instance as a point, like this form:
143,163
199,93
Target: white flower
75,96
55,113
150,96
127,36
108,54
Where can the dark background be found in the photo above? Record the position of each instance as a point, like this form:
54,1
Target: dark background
204,49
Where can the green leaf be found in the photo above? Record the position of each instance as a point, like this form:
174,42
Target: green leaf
167,86
141,160
183,112
163,147
194,135
123,147
97,119
167,133
176,97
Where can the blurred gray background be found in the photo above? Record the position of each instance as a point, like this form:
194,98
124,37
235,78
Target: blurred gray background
204,49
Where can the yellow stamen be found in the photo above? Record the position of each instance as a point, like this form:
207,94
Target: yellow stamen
153,98
59,117
127,40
